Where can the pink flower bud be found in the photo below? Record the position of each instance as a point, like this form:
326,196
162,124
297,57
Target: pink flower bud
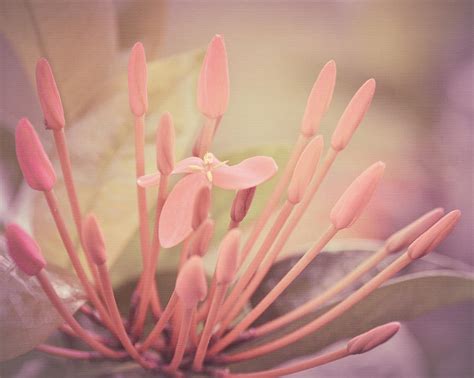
191,285
304,170
137,80
202,205
94,239
353,201
34,163
319,99
228,257
165,145
430,239
241,204
353,115
407,235
199,243
24,250
49,97
373,338
213,84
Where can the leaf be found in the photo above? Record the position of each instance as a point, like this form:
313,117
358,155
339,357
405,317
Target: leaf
102,155
27,316
410,294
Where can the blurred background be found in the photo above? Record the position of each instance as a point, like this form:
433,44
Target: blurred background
420,122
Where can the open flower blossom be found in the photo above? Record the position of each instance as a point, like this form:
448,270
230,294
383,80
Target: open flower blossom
204,326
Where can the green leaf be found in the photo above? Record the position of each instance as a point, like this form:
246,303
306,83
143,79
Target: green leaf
102,155
27,317
412,293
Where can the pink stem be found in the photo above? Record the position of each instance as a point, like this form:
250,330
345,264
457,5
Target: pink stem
67,353
160,325
117,319
258,310
87,337
327,317
68,244
296,367
182,339
63,154
209,326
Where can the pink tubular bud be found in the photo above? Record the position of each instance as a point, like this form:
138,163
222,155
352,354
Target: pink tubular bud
430,239
407,235
304,170
241,204
319,99
137,80
202,238
34,163
49,97
165,145
191,285
373,338
24,250
94,239
353,115
353,201
213,84
228,257
202,205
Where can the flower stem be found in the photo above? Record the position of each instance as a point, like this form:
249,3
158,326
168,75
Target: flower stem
327,317
72,354
68,244
182,339
294,272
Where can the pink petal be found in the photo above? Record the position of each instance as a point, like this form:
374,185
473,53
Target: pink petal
248,173
177,214
183,165
148,181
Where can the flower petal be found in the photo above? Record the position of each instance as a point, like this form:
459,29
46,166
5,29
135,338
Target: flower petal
183,165
177,214
250,172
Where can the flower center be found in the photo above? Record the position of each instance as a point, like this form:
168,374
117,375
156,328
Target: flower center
209,162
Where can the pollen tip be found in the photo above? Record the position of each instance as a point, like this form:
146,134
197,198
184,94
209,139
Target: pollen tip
431,238
94,239
48,94
191,285
356,197
24,250
137,80
213,83
304,169
33,160
228,257
407,235
373,338
165,140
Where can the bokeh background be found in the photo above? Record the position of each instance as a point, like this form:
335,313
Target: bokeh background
420,122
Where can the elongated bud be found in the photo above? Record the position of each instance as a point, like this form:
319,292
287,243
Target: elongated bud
407,235
34,163
202,205
49,97
137,80
24,250
202,238
241,204
353,201
165,144
191,285
429,240
94,239
319,99
304,170
353,115
228,257
213,84
373,338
